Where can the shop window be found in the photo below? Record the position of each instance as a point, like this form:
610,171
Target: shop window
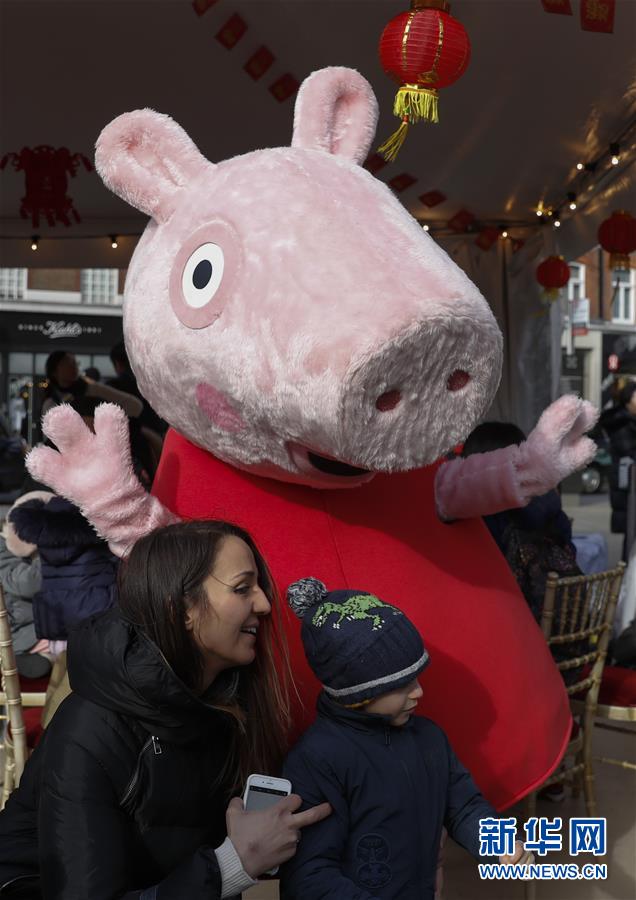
20,363
576,284
623,297
13,284
104,365
99,286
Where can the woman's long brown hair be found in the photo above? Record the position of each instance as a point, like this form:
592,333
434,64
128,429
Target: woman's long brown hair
163,577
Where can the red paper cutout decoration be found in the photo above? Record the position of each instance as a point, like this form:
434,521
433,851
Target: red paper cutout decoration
46,172
374,163
561,7
487,237
553,274
232,32
517,244
401,182
432,198
259,62
617,236
202,6
423,50
284,87
598,15
461,221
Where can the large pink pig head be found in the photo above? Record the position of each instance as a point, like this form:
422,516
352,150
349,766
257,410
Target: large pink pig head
282,309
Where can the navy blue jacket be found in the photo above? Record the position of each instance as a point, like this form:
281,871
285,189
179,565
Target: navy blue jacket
78,570
392,790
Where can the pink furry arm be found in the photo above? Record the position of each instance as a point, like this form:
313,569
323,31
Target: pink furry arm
94,471
487,483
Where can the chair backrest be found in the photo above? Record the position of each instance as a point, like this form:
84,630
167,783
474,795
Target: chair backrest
576,620
12,697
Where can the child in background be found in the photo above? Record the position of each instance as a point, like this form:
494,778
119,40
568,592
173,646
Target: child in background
391,777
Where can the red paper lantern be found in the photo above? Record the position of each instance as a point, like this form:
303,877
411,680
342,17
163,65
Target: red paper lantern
553,274
617,236
423,50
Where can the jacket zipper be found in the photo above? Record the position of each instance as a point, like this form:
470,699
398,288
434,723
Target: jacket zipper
156,746
132,784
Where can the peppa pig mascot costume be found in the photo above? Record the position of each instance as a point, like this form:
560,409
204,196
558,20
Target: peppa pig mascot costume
317,354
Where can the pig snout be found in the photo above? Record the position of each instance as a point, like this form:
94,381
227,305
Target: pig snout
418,394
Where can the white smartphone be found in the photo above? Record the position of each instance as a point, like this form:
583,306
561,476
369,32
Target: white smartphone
262,791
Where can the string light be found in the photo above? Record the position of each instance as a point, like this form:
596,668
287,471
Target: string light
572,199
504,234
425,227
35,241
579,166
557,220
615,151
113,241
539,212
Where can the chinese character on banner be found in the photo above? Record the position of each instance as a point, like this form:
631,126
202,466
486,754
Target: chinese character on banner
543,835
497,836
588,836
597,15
561,7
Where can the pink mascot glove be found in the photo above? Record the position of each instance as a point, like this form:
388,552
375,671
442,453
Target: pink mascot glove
94,471
487,483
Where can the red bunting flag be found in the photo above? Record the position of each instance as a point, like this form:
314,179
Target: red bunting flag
401,182
375,162
598,15
432,198
202,6
561,7
461,221
232,32
259,63
487,237
284,87
517,244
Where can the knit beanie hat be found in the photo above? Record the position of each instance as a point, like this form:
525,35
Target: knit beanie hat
14,543
357,646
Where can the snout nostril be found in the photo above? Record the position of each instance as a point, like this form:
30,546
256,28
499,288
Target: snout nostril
458,380
388,401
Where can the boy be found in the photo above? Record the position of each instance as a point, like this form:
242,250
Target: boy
391,778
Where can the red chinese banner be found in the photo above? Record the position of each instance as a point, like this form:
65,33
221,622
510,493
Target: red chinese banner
461,221
202,6
259,63
487,237
432,198
375,163
401,182
232,32
598,15
284,87
561,7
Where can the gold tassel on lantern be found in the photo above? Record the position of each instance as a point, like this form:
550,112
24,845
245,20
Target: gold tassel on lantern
413,104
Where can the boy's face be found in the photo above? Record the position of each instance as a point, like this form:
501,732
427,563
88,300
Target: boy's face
397,704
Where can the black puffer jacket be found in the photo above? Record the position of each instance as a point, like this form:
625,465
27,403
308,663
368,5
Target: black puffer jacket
121,800
620,426
78,570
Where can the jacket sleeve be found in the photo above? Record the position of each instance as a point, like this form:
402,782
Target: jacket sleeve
85,840
19,577
315,872
465,806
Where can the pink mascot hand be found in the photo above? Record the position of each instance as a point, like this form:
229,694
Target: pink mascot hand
487,483
94,471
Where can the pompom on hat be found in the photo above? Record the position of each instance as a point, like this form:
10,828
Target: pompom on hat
358,646
14,543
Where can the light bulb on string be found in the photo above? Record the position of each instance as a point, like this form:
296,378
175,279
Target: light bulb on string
579,166
35,240
572,200
615,151
425,227
504,234
113,241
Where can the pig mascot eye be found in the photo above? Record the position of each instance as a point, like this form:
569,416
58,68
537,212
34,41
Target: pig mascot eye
202,275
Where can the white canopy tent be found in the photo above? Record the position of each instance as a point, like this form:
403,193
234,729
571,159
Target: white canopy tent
539,96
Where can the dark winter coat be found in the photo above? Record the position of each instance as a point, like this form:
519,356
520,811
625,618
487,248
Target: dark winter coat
620,426
78,570
122,792
392,790
20,579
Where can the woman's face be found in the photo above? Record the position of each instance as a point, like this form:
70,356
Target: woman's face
225,627
66,371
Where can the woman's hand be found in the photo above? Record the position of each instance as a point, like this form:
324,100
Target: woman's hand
521,856
269,837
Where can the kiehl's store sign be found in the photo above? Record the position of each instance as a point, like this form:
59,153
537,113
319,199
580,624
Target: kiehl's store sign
37,330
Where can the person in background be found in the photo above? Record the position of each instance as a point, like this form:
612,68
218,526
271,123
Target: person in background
390,776
619,422
175,701
66,385
21,579
93,373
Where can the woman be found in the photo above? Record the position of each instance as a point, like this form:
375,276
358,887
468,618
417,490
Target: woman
66,385
175,701
620,424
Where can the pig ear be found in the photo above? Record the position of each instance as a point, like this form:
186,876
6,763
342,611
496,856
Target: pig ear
336,111
147,159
